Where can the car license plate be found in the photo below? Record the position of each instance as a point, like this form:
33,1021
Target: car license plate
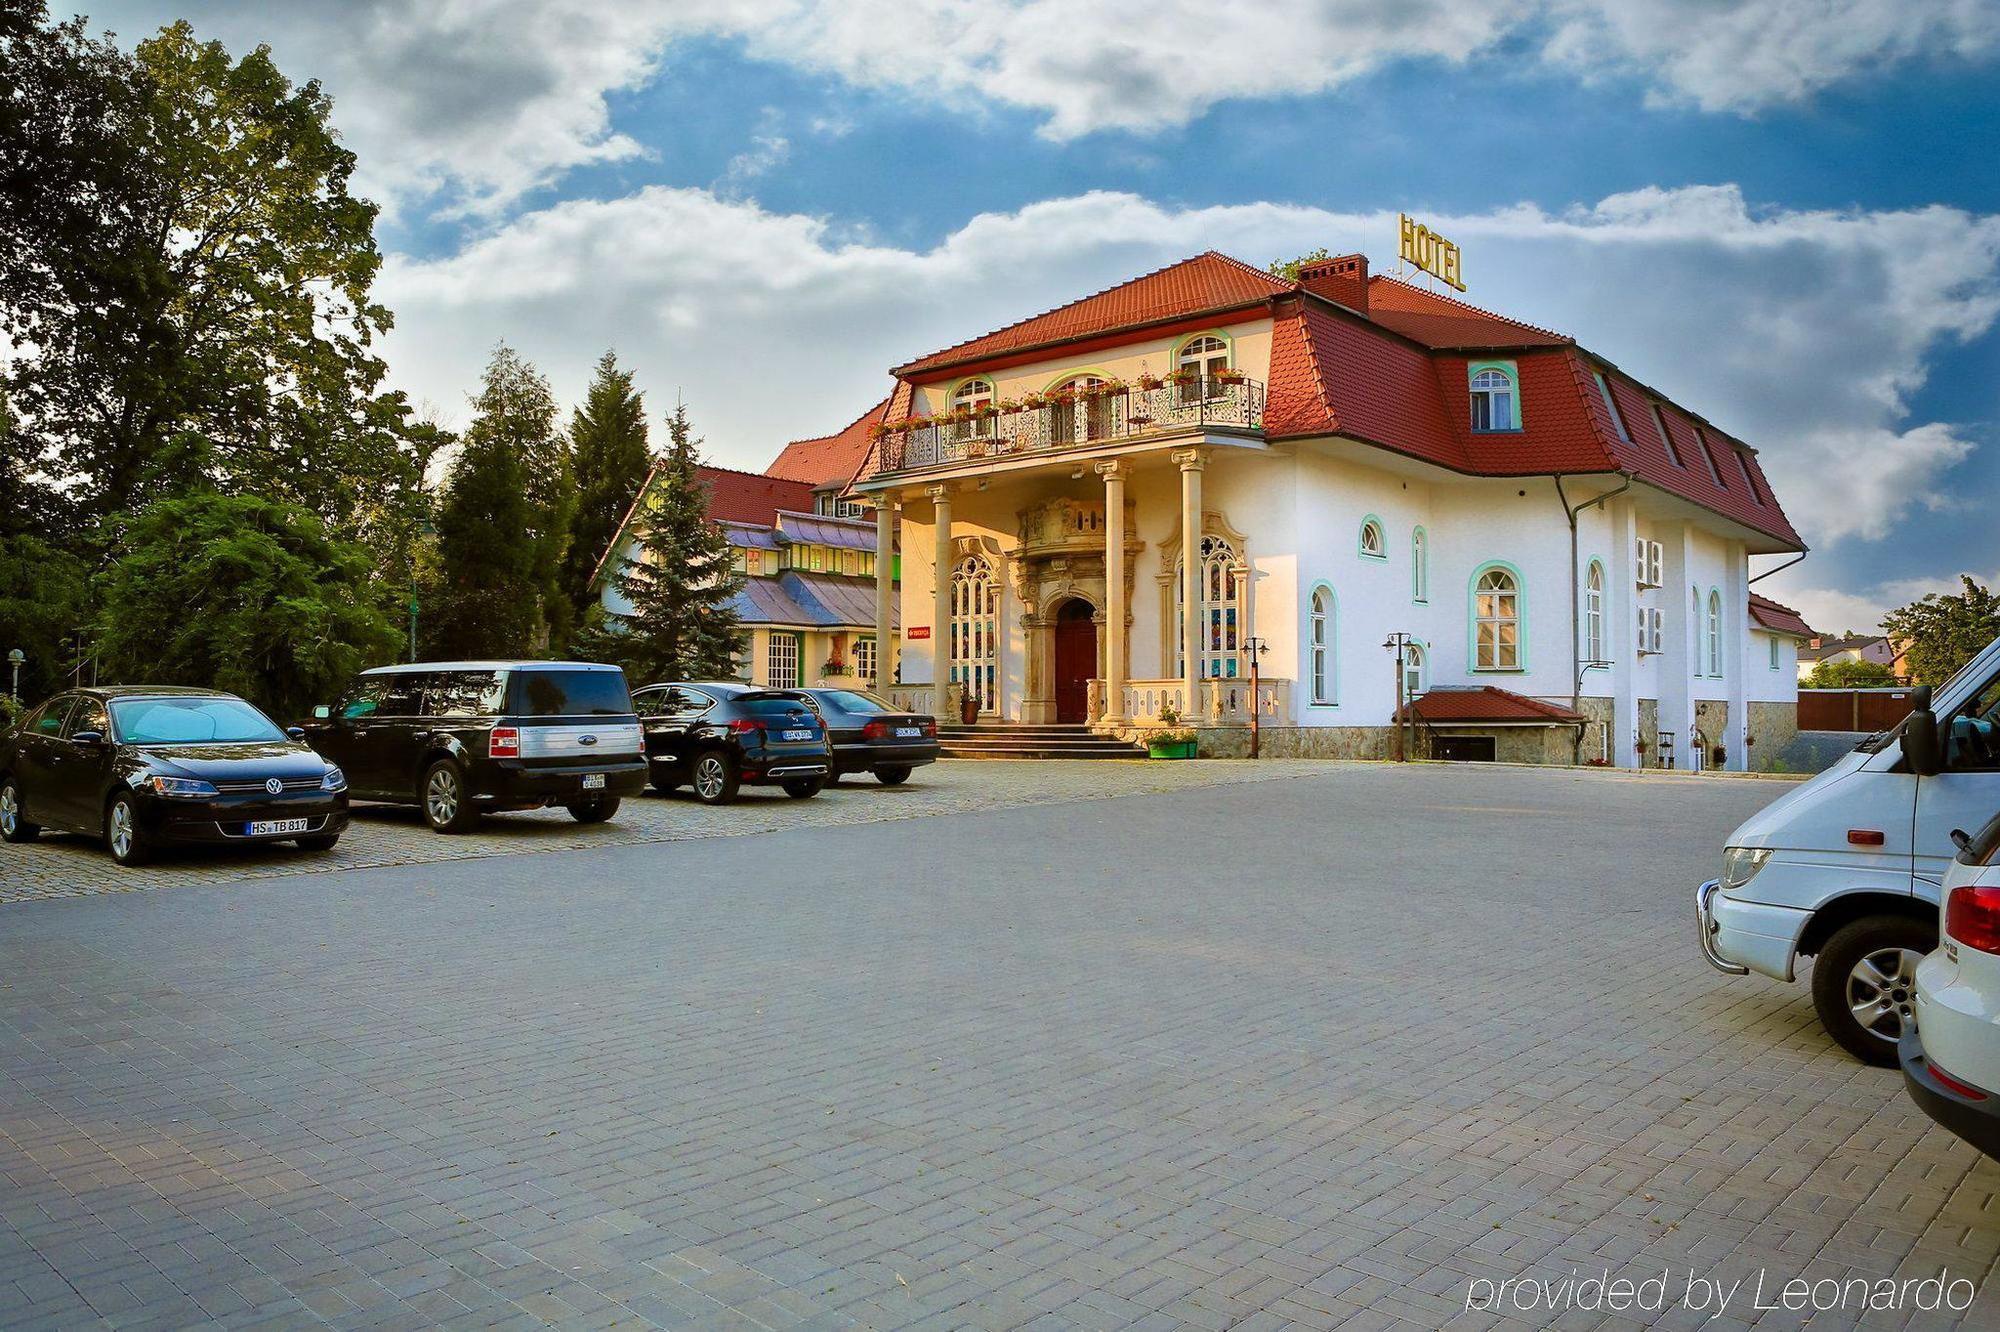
593,781
908,732
796,735
277,827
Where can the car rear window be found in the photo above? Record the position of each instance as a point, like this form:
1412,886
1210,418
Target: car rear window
767,705
853,700
569,694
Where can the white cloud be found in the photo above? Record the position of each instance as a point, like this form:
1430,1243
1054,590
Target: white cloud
1836,610
486,100
1802,332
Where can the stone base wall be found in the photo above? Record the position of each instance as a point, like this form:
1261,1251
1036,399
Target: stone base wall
1773,726
1598,720
1329,742
1711,718
1649,732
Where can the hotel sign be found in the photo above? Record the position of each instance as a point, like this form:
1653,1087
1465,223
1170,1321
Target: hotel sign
1432,253
919,631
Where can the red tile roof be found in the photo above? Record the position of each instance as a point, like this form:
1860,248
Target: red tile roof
1486,703
1783,619
828,459
1208,283
1440,321
733,497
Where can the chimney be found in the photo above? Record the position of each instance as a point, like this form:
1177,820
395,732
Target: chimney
1343,278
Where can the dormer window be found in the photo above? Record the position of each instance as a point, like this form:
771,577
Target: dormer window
1494,400
975,396
1199,366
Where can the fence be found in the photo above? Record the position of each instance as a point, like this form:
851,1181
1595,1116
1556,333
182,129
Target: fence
1852,709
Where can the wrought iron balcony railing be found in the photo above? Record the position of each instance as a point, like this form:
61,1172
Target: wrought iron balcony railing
1076,422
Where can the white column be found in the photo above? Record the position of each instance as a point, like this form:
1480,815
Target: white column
885,590
1735,624
1113,473
940,497
1191,462
1621,632
1680,635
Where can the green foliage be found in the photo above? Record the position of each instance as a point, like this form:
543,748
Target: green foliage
1941,633
1836,674
681,626
610,460
241,593
1288,269
44,602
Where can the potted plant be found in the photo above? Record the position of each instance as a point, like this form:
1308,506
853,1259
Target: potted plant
1719,755
833,667
1229,375
968,708
1148,380
1171,742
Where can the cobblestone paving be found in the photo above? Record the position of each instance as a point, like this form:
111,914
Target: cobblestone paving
64,866
1314,1051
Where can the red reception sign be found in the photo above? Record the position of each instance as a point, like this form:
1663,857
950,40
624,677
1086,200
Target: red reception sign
919,631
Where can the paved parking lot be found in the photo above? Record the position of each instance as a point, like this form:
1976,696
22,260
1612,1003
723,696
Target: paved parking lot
1323,1048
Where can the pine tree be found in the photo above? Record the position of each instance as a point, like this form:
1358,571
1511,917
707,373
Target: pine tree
610,457
682,625
503,522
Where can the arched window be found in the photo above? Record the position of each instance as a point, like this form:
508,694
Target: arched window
1373,543
1413,670
1322,647
975,642
1593,614
1493,401
1420,565
1219,612
1078,414
1496,619
1199,362
972,396
1715,633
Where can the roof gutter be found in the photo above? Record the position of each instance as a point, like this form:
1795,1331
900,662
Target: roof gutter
1782,567
1576,662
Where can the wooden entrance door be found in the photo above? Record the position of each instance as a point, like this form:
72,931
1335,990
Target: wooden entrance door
1076,660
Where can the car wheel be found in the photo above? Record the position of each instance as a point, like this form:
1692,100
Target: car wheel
447,807
892,776
1865,984
806,788
319,842
593,811
14,828
715,779
122,835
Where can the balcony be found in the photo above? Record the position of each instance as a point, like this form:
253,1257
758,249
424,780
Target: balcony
1054,423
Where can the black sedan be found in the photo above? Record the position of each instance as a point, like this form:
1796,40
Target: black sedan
143,766
717,735
871,734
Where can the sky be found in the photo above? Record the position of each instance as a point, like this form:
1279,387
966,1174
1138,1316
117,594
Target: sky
1783,213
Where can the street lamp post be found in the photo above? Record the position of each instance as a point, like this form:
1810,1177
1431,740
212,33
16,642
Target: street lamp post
1254,648
1399,643
15,658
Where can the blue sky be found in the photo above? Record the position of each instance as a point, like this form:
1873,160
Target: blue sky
765,203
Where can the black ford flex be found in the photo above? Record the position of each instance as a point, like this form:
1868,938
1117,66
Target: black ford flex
462,738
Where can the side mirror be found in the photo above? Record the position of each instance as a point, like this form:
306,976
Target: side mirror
1922,749
296,732
90,738
322,712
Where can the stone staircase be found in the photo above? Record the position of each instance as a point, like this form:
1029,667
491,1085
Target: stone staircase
1016,740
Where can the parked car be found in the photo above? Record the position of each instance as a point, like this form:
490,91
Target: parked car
717,735
463,738
143,766
1951,1062
871,734
1847,868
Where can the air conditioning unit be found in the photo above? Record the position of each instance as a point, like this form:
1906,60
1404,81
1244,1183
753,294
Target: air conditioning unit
1652,630
1649,563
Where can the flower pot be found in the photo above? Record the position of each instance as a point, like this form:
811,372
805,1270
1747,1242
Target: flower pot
1171,749
968,709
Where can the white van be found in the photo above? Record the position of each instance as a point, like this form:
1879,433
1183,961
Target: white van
1846,869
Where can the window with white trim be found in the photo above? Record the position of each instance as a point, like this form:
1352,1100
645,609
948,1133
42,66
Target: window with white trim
1420,565
1666,436
1078,414
975,640
1593,614
1413,670
1322,646
1201,360
1611,406
1220,610
1373,543
781,661
1775,653
1715,634
1493,401
863,656
1496,617
972,396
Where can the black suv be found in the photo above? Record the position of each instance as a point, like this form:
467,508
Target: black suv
144,765
463,738
717,735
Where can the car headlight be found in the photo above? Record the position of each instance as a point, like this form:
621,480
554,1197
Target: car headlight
1741,863
335,780
181,788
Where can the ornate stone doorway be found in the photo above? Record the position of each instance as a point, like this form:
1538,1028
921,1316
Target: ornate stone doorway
1075,659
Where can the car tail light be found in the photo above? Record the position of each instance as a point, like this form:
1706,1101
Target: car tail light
1965,1089
504,742
929,728
1972,917
744,726
875,730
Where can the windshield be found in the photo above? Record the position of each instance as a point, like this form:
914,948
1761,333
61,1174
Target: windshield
570,694
190,721
854,700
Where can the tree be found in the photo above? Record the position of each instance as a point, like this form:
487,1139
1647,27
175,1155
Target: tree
188,274
1851,674
610,459
44,603
1288,269
682,625
1941,632
242,593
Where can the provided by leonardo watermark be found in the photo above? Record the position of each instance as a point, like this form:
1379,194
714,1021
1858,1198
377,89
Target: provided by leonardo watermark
1716,1295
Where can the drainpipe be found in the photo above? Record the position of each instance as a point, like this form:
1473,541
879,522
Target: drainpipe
1781,568
1575,606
